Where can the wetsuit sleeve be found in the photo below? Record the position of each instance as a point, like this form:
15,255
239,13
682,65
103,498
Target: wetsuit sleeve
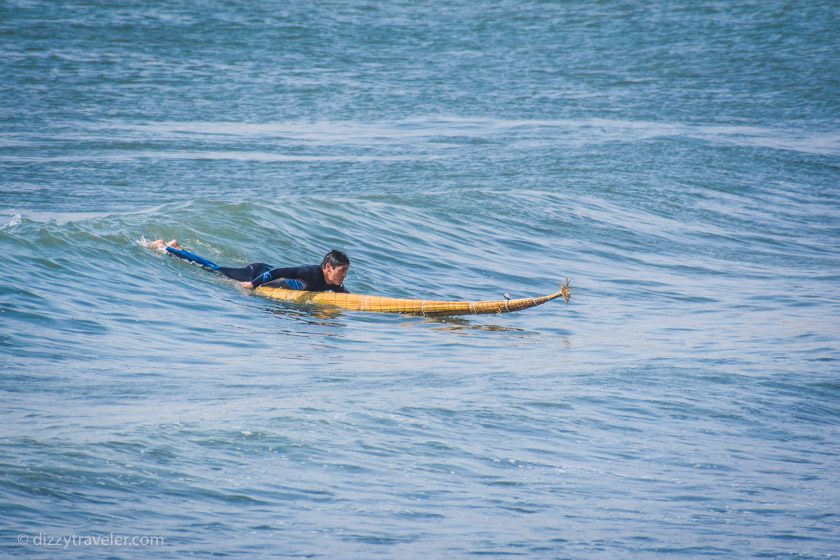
292,273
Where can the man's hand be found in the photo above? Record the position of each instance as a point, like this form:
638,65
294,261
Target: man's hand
247,285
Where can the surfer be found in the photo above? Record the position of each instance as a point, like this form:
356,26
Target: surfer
328,276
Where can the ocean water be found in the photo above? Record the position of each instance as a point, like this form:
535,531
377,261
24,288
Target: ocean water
679,162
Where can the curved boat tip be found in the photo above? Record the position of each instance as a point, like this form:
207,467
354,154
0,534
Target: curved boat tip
566,290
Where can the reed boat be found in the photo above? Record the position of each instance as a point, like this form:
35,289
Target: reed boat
380,304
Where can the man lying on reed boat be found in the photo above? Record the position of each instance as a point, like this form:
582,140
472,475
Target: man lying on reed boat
328,276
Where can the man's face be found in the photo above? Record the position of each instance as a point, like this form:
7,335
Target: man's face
335,275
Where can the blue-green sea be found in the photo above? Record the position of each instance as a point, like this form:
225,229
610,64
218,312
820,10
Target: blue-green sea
678,161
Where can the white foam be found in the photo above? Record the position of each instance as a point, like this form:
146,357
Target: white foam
16,218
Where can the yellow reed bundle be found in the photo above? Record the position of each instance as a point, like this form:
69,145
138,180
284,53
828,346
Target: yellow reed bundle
379,304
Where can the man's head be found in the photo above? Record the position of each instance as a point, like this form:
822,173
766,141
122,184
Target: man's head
335,266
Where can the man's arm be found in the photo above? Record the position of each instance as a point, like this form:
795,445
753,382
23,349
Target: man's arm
291,272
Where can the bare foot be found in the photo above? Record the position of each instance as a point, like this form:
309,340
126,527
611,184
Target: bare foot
161,245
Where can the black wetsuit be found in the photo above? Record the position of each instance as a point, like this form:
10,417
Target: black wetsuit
307,277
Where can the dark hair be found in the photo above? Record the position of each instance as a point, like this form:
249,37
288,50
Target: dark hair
335,259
